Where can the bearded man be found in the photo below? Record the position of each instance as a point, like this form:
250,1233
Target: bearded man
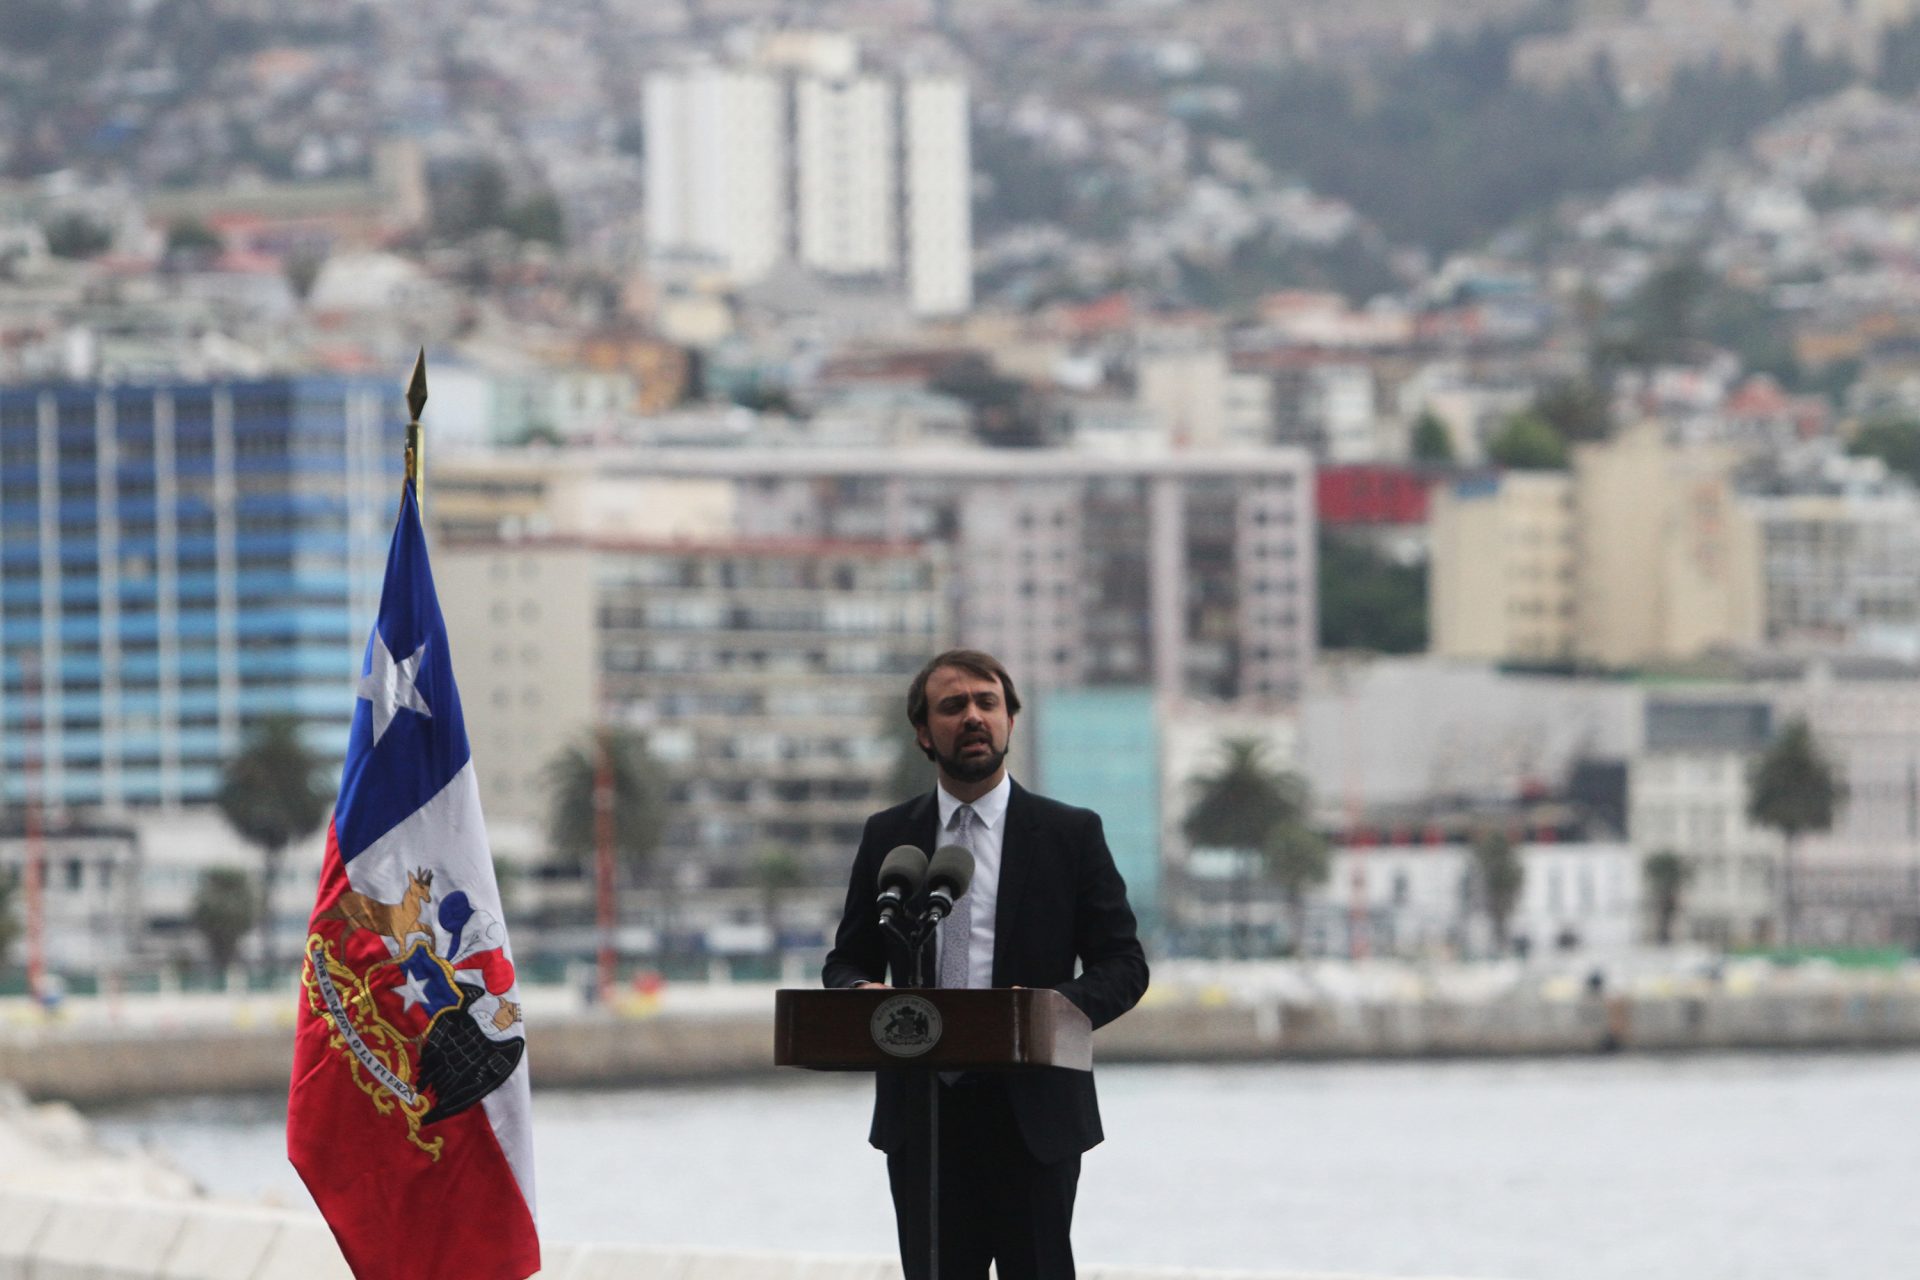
1045,894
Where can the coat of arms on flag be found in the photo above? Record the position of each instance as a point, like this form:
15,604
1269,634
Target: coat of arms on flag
408,1116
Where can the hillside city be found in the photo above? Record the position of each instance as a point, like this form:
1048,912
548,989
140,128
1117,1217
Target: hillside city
1485,434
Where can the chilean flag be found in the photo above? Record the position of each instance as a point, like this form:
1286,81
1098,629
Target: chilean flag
408,1116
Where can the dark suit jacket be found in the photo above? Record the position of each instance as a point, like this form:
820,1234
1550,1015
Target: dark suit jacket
1061,899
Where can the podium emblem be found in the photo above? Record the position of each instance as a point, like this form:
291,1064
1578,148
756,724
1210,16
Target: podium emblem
905,1026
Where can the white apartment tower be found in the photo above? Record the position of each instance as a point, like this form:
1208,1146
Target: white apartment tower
716,167
939,196
847,185
812,161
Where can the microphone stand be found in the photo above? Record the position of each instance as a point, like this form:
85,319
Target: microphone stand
915,938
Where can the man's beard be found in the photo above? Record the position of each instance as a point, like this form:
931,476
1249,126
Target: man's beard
972,768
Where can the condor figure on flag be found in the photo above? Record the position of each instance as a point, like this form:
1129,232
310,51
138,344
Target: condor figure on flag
408,1114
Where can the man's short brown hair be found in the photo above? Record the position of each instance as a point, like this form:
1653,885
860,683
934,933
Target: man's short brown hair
973,661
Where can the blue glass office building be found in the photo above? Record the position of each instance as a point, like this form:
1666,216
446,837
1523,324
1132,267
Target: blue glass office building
177,561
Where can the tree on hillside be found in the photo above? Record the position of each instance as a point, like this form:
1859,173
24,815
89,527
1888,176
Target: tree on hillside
1667,875
271,795
538,217
1238,806
224,910
1895,441
1899,61
1662,322
1528,442
75,235
1297,858
1577,411
1446,147
1794,788
192,239
1498,876
1367,601
1431,442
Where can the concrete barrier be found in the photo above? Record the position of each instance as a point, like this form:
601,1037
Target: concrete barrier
46,1237
22,1220
223,1242
98,1240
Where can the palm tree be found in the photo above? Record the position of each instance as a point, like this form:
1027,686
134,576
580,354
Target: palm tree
775,871
1239,806
9,922
1667,875
1297,859
1794,788
1500,876
224,907
271,795
639,799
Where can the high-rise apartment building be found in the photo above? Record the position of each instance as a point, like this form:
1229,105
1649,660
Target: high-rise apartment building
716,167
939,195
805,158
180,560
846,173
769,677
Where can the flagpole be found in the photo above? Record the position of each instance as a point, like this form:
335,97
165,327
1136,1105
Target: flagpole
416,439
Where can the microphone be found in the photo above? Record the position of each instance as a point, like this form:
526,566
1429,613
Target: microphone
901,873
949,873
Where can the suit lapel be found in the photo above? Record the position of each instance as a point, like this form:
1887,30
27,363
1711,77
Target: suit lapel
1015,850
923,824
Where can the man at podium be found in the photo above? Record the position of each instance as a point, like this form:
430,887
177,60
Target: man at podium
1045,893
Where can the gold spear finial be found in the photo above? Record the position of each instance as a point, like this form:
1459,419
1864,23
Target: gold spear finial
416,401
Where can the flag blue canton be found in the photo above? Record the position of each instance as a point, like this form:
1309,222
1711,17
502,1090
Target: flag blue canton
392,769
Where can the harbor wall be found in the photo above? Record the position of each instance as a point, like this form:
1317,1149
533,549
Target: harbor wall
94,1064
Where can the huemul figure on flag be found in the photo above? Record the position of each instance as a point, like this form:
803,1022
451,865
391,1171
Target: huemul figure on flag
408,1116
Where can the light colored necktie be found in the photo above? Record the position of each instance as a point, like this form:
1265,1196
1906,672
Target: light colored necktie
956,931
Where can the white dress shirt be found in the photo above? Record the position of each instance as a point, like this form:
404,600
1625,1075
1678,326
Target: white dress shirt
989,832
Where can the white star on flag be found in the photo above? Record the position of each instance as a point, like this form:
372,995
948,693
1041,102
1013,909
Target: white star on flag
413,991
389,686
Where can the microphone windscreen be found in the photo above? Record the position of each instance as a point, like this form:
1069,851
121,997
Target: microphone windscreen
951,868
903,869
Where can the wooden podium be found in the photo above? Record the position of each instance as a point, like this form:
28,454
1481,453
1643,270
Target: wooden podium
883,1028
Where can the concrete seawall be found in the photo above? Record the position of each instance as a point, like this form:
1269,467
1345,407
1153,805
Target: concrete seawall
93,1063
